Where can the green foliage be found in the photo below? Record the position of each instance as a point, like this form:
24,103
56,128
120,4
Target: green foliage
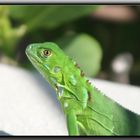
22,25
48,17
9,36
32,20
85,50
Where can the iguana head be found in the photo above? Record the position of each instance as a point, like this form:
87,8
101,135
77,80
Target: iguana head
49,59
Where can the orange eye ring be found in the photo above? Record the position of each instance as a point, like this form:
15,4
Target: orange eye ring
46,53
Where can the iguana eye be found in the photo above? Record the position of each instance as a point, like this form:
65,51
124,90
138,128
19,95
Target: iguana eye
46,52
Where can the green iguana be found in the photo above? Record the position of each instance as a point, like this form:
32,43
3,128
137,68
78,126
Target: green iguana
87,110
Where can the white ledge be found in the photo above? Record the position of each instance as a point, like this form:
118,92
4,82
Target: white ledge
29,106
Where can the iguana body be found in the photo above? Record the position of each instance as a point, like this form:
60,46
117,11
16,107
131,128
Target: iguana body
87,110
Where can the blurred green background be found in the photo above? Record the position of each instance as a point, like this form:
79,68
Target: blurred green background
103,39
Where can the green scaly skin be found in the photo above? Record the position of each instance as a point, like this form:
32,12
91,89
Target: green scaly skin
87,110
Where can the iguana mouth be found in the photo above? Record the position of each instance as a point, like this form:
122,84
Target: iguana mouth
33,58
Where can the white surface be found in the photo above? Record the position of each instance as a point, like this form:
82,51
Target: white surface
126,95
28,106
